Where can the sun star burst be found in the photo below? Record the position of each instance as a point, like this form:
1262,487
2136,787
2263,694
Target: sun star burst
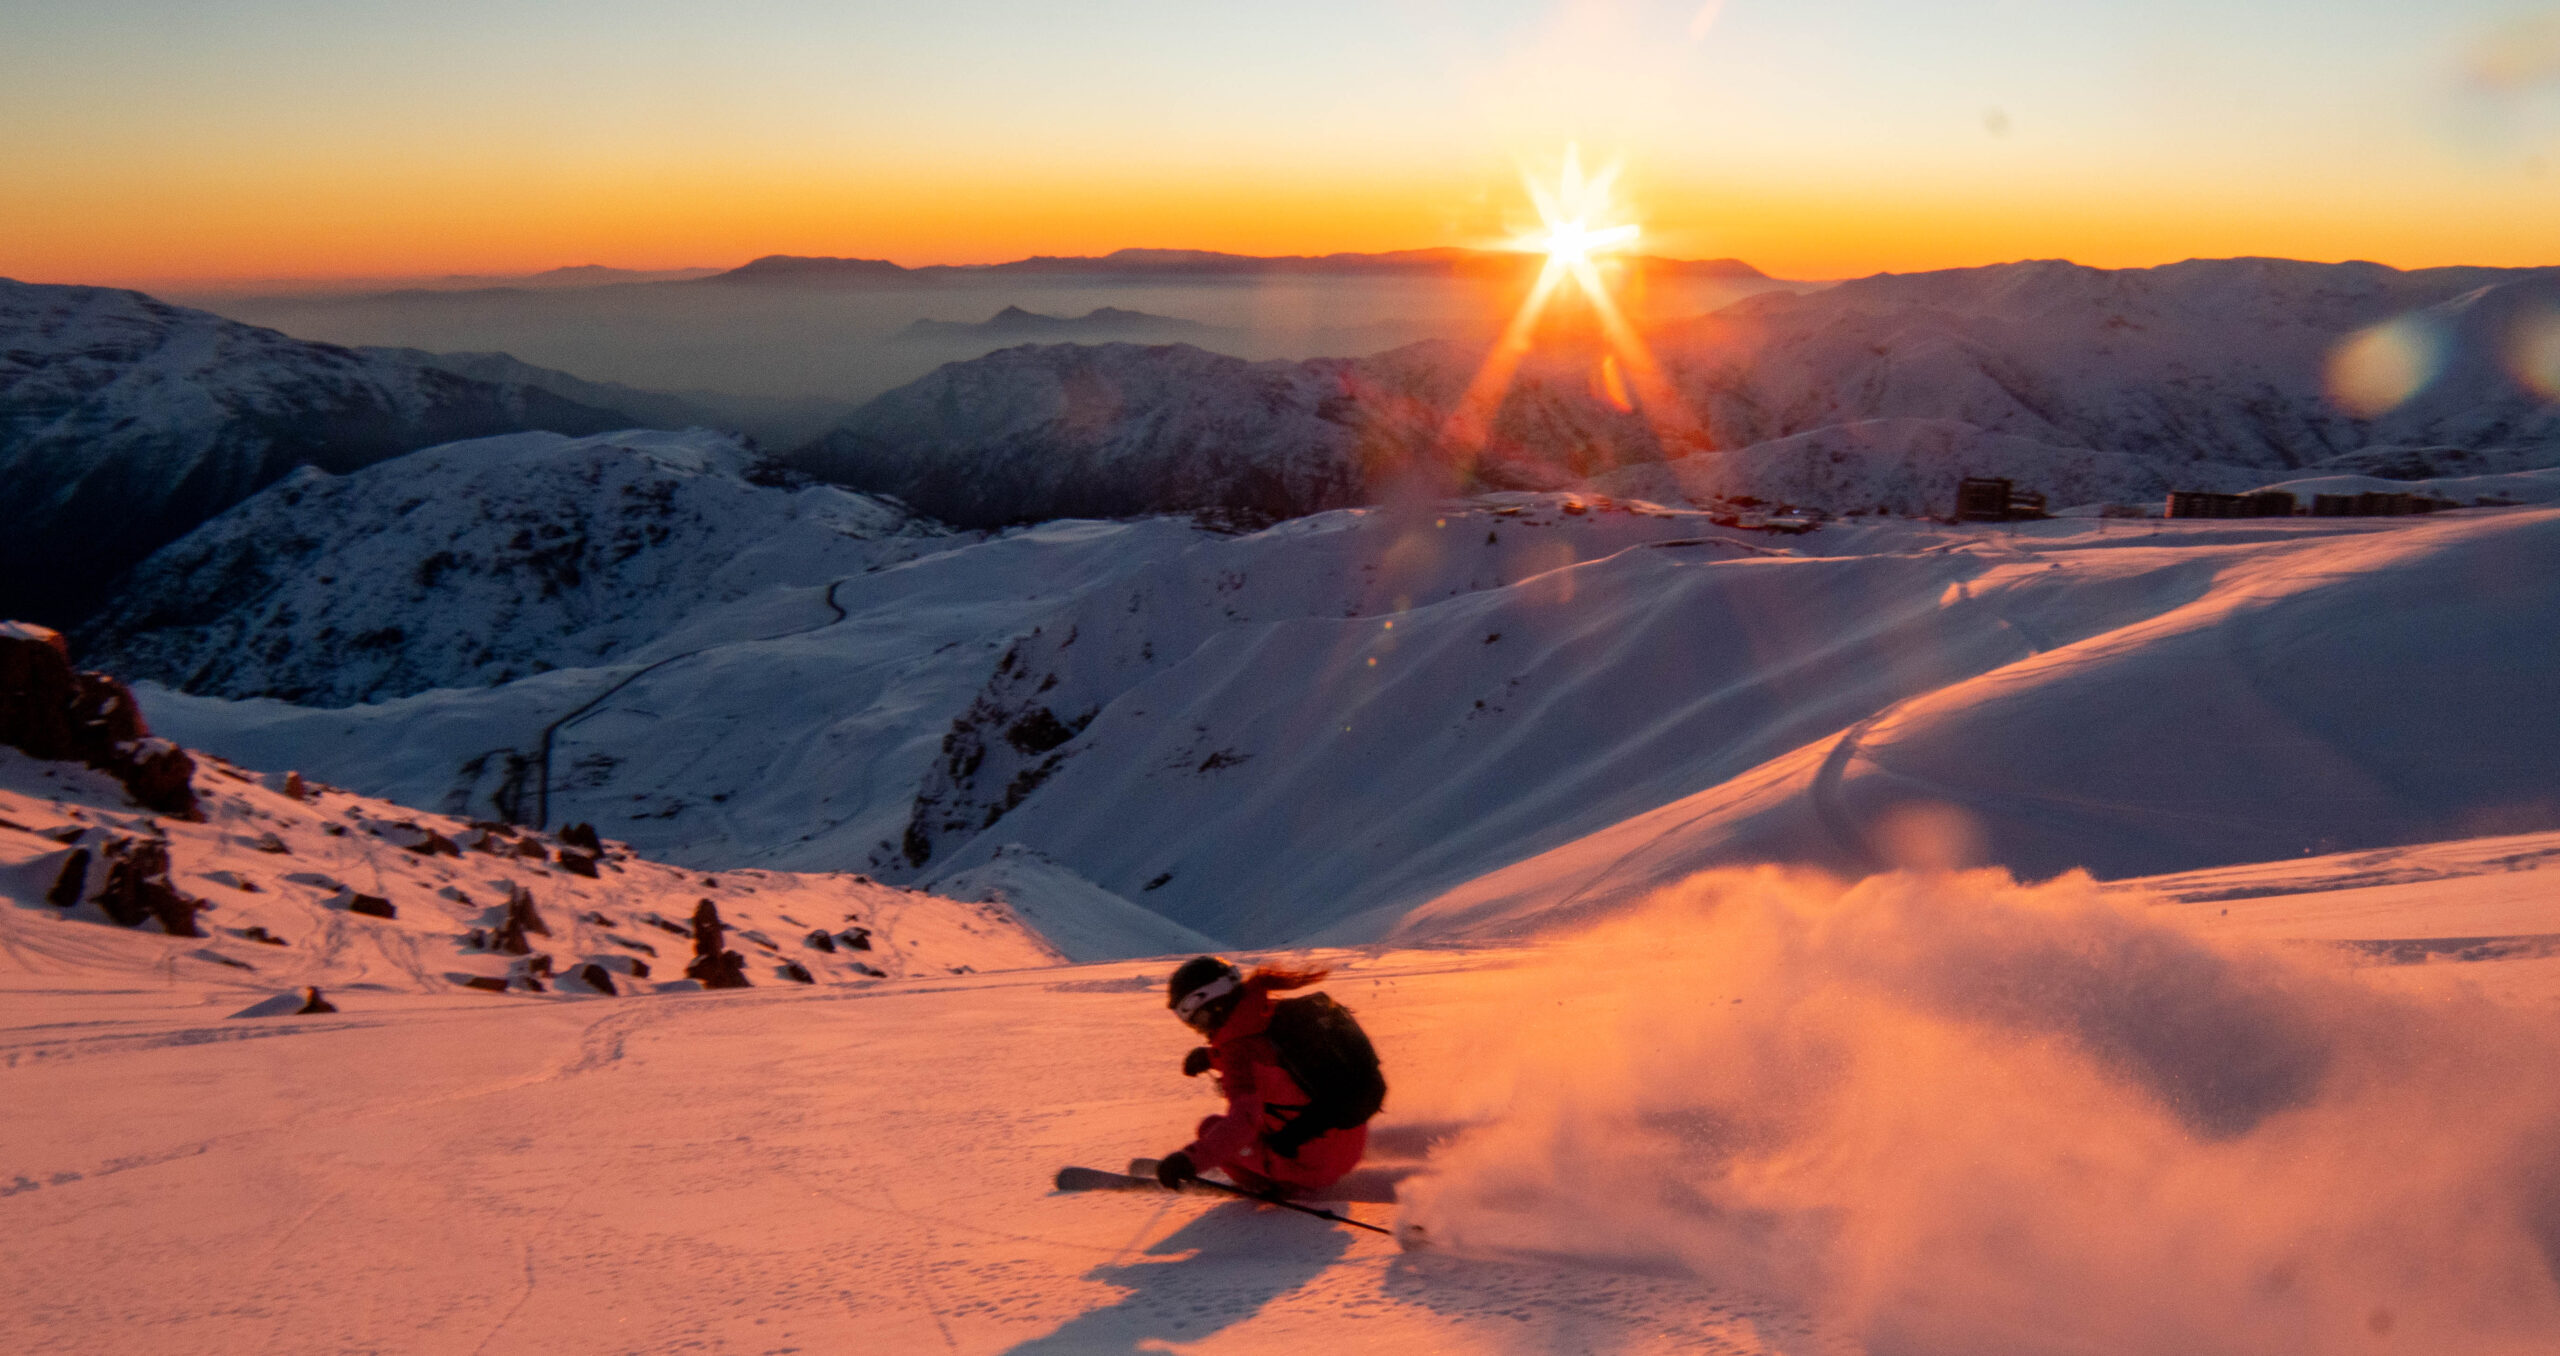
1580,223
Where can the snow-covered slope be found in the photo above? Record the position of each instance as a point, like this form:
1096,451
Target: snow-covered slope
1311,600
2511,487
125,421
2283,694
2293,1109
1315,728
790,727
774,422
1114,429
478,562
1081,919
1066,430
2187,365
306,885
1911,466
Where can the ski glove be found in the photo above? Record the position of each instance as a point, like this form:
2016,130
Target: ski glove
1197,1062
1174,1169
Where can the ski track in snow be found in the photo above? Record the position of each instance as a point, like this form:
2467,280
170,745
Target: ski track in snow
852,1166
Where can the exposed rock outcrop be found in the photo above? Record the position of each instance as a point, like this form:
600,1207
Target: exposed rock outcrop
51,710
521,918
715,967
137,889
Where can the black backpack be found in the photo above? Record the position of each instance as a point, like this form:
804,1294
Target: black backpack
1329,1057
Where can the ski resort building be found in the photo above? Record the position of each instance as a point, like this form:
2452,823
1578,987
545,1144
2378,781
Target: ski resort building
2376,504
2263,504
1983,499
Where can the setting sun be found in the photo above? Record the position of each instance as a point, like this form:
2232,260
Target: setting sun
1575,215
1580,222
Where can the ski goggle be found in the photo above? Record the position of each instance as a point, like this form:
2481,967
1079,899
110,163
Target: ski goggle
1189,1006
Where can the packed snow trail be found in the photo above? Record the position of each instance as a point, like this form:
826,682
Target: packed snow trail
745,1172
870,1168
542,761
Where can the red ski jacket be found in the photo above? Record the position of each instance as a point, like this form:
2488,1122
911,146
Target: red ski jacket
1261,1100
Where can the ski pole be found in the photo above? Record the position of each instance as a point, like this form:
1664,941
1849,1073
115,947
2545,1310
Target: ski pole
1293,1205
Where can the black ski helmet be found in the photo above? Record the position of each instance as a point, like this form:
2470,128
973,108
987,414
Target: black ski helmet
1200,985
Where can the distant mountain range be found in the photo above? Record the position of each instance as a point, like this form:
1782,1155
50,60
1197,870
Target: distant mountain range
799,269
1099,325
125,422
1880,393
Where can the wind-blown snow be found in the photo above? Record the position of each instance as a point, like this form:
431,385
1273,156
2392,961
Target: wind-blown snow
1949,1114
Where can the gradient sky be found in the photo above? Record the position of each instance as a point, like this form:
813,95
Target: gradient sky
196,139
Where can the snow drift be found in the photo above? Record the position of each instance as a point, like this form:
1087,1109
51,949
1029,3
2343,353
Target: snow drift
1953,1114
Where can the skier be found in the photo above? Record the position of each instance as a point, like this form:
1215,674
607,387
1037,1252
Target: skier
1300,1078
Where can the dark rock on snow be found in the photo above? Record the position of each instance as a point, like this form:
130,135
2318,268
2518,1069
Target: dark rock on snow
72,882
715,967
521,918
50,710
138,888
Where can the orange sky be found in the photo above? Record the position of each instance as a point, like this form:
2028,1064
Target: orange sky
259,139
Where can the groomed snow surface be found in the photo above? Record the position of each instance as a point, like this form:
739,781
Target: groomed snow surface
1765,1112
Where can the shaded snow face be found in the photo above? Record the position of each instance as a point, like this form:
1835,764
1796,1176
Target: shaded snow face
1959,1115
124,422
480,562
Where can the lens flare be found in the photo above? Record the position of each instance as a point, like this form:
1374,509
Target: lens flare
1580,223
2533,352
2375,370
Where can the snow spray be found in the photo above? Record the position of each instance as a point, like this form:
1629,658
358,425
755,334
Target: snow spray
1946,1113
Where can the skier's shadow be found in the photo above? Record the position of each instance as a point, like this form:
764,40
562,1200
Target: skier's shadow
1240,1258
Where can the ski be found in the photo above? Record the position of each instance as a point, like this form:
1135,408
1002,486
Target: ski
1099,1179
1096,1179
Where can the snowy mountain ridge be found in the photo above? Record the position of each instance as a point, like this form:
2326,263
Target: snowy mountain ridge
125,421
2206,374
2207,361
484,561
1313,728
